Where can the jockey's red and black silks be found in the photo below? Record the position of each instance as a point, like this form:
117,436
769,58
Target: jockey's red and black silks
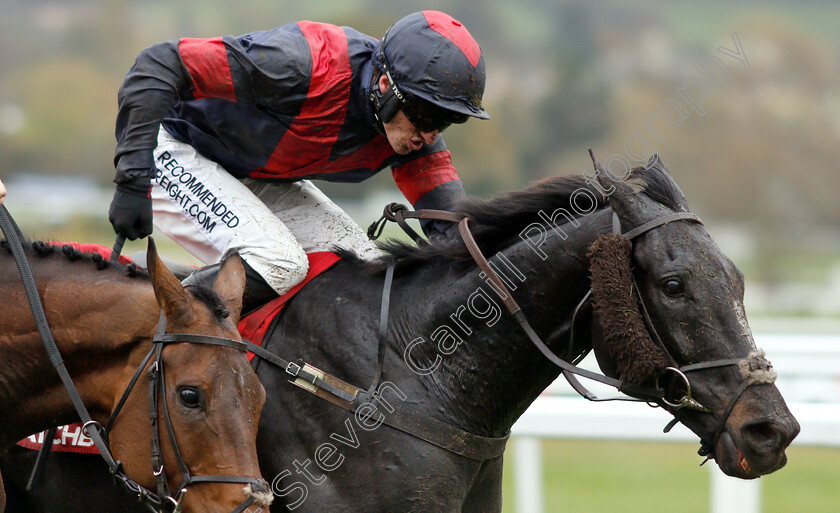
285,104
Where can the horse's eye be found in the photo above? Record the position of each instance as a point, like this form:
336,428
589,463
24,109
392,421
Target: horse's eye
672,287
189,397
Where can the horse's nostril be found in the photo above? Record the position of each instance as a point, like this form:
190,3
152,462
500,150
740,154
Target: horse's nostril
765,433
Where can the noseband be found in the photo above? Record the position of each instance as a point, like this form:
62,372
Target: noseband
163,501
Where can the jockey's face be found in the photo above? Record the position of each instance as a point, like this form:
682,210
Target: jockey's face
403,136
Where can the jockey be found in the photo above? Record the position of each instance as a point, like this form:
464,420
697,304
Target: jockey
219,137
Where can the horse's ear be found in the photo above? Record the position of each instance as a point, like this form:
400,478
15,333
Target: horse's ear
230,285
621,195
655,171
172,297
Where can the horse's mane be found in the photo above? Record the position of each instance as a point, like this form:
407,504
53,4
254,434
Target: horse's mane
40,249
72,254
496,221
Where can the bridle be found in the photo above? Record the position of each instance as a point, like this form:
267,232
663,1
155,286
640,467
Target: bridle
163,501
656,395
754,362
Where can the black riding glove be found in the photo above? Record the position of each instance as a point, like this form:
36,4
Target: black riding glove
131,209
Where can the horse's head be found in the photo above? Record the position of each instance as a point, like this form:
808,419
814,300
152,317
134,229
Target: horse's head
716,381
211,396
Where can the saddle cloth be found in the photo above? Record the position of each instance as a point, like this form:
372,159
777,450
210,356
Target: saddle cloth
253,327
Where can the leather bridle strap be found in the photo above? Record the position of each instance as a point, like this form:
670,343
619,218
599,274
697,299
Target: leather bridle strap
383,328
128,389
117,249
711,364
298,370
157,454
659,221
519,316
12,233
13,237
423,427
158,403
395,211
149,499
207,340
398,213
707,445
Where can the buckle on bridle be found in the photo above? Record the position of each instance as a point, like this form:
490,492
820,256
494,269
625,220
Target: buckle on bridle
293,369
686,401
94,424
177,503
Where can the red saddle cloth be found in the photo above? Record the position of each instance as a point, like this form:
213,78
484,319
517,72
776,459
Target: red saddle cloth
254,325
71,438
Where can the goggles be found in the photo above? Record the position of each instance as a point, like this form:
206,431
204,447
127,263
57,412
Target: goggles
428,117
423,114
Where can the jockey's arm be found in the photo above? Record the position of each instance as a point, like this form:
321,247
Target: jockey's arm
430,181
263,68
153,85
150,88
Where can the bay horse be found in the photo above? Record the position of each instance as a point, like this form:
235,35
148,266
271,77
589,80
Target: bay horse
103,316
461,365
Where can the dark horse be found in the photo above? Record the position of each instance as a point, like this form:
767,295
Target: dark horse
453,354
103,316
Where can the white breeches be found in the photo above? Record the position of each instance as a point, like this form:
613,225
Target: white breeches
271,225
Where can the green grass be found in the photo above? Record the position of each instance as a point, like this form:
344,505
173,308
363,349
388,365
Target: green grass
630,477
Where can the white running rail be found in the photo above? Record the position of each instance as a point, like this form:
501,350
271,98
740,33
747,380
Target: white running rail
809,379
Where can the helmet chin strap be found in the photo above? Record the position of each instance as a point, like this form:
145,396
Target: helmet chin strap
385,105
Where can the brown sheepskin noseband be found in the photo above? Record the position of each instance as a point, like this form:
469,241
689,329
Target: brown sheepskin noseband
635,355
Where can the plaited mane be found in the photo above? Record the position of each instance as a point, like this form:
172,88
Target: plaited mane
204,293
48,249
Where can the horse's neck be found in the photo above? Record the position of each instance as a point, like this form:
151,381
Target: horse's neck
96,325
496,372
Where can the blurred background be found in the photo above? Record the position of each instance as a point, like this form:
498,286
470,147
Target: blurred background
740,98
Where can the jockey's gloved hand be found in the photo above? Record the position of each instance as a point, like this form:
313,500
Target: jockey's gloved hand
131,209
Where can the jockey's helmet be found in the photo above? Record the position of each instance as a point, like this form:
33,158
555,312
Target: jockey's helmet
436,70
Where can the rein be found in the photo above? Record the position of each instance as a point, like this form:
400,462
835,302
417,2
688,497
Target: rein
652,395
163,501
399,213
